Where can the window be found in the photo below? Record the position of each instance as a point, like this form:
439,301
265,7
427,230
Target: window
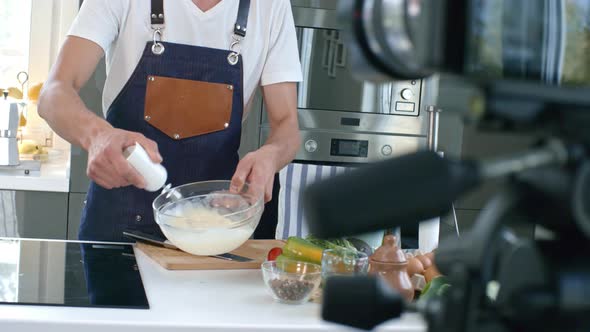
14,41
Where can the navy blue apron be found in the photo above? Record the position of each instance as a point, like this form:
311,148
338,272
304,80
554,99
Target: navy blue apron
212,156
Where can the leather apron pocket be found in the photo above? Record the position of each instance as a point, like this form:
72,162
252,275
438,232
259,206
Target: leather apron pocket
183,108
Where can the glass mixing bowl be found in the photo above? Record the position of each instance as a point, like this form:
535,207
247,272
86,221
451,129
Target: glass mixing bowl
204,218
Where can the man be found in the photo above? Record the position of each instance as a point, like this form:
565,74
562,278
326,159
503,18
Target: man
179,73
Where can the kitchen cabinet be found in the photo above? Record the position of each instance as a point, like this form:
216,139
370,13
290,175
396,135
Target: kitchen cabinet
42,214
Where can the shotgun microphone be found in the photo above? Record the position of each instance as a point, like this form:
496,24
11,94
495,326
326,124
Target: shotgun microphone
401,191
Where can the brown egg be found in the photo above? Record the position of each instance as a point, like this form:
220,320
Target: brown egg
426,262
431,273
414,266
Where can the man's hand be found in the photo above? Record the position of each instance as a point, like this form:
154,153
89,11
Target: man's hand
107,165
258,169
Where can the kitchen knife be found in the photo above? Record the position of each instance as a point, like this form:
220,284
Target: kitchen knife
150,239
161,242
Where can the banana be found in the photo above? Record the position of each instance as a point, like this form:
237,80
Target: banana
29,147
15,93
34,91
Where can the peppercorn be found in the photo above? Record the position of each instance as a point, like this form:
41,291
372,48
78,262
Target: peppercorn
291,290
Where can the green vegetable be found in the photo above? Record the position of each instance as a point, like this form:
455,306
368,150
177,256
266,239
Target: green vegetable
443,289
435,288
345,243
303,250
361,245
338,244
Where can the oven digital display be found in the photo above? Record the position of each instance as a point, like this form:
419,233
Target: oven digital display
349,148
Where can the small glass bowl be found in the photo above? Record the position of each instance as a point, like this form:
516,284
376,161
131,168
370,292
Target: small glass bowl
291,281
344,262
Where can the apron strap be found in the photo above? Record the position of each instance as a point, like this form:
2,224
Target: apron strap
157,22
242,20
239,32
157,14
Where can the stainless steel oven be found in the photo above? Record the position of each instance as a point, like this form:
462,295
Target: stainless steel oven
343,120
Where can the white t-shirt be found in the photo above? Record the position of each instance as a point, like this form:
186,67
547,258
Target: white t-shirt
122,28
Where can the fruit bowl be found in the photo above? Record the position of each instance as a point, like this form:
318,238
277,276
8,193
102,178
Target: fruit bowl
205,218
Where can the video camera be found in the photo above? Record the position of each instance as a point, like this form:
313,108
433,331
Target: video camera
525,68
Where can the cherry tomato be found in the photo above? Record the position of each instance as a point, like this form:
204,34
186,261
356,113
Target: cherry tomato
274,253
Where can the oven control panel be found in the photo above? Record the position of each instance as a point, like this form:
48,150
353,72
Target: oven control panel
328,146
349,148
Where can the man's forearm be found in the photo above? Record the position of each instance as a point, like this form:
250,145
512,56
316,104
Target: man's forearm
63,109
284,139
283,142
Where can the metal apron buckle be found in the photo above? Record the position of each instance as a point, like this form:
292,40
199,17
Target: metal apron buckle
158,48
234,55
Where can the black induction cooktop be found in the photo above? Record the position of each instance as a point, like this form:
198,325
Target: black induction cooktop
73,274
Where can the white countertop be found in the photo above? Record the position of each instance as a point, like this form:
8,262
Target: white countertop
188,301
53,177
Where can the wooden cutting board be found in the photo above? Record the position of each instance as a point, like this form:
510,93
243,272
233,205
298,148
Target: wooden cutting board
171,259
